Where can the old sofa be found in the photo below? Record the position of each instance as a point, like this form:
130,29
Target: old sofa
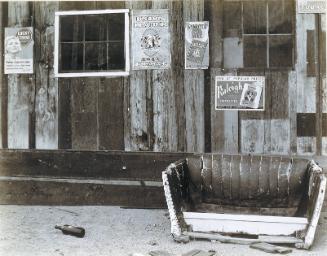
274,199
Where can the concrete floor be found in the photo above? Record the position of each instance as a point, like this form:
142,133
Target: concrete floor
29,230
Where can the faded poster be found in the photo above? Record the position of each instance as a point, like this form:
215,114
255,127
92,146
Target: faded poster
19,50
311,6
150,39
239,92
197,45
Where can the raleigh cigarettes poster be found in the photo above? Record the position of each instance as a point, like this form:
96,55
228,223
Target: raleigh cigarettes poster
19,50
150,39
197,45
239,92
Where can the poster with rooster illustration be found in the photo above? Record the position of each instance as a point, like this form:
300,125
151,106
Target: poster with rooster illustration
150,39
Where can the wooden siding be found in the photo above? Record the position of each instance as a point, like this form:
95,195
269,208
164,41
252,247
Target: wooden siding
165,110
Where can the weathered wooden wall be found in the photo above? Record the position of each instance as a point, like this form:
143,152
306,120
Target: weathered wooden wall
165,110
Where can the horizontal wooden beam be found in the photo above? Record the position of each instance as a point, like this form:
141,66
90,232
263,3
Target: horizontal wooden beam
86,164
56,192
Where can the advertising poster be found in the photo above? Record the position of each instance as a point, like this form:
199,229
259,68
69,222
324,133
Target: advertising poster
311,6
150,39
197,45
18,50
239,92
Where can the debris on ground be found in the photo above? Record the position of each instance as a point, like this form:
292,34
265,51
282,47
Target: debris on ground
270,248
182,239
160,253
197,252
153,242
71,230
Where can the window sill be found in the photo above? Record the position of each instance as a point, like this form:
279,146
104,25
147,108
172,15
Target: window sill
94,74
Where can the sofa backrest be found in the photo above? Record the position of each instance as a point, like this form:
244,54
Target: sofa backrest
248,180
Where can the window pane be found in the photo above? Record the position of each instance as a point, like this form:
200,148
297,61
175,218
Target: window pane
280,51
95,28
71,57
95,56
281,14
116,25
255,51
116,55
254,17
232,19
71,28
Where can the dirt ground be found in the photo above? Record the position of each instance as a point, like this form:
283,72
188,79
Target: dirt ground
29,230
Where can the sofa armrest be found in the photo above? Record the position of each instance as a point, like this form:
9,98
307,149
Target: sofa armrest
173,181
316,195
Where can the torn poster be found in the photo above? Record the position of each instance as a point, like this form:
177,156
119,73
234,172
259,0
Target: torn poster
239,92
150,39
18,50
197,45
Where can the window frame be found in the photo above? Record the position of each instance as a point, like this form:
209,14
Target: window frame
267,35
109,73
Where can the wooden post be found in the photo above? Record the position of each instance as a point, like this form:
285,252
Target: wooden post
20,87
46,102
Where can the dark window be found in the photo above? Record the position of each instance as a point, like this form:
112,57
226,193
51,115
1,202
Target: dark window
93,42
267,29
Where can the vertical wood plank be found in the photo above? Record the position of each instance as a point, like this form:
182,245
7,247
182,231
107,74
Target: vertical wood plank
64,114
323,79
163,90
111,116
292,84
4,83
46,101
306,86
279,113
137,134
215,16
194,88
2,76
20,88
84,113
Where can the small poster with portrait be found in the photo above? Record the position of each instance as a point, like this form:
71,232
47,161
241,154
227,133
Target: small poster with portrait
18,50
197,45
150,39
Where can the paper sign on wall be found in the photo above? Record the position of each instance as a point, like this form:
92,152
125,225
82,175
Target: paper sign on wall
19,50
197,45
150,39
239,92
311,6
